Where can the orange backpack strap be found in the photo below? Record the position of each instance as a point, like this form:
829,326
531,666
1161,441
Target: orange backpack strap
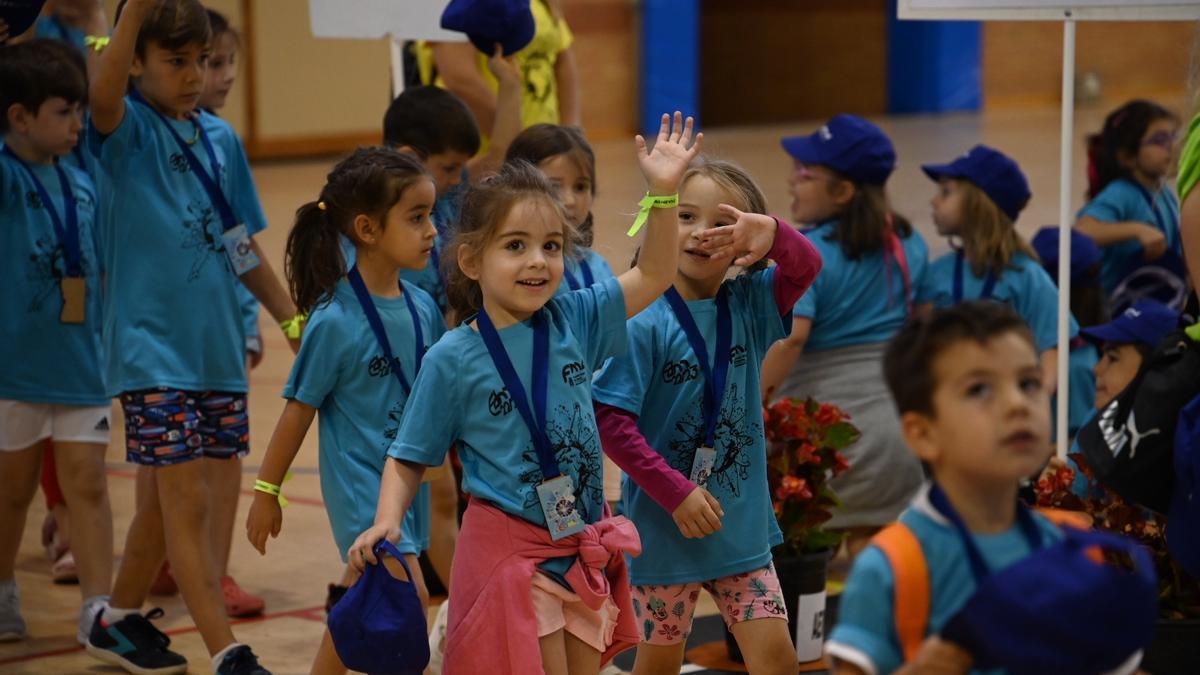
911,582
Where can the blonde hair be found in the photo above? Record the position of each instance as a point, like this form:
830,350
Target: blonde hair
989,237
484,209
732,179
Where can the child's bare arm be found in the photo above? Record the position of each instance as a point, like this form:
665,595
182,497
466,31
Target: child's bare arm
396,491
107,91
265,517
266,287
508,116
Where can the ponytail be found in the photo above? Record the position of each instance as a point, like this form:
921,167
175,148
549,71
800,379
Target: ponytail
312,262
866,223
368,182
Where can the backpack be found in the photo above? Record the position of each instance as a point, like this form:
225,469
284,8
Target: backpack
1129,444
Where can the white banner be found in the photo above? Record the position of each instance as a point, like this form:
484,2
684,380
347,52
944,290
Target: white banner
373,19
1048,10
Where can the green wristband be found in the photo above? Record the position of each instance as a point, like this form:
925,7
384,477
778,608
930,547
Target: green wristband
651,202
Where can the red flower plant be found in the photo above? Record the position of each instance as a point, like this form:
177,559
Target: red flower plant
804,443
1179,595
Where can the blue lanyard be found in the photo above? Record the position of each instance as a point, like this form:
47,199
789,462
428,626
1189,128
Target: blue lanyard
588,278
1153,209
541,373
989,284
68,234
716,374
368,307
979,567
210,182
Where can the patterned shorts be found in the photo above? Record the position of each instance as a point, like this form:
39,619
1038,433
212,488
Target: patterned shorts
170,426
664,613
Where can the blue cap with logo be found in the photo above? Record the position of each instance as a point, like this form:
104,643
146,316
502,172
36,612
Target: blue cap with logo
850,145
1147,322
991,171
488,22
1084,251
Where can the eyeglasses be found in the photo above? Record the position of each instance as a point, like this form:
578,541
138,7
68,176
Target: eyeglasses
805,174
1164,139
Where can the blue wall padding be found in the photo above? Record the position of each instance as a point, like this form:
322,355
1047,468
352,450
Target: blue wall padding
934,66
670,60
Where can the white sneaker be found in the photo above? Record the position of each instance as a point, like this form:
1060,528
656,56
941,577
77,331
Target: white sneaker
87,616
437,639
12,626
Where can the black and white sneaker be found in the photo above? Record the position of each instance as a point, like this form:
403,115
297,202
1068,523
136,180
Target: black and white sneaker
241,661
133,643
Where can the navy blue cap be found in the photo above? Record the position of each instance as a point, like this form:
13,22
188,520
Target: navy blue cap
20,14
991,171
1147,322
378,626
1183,518
849,145
488,22
1084,251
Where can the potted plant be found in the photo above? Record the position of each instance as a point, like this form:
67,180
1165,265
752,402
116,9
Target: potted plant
1178,630
804,443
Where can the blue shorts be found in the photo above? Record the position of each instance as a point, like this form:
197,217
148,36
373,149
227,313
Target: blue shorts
170,426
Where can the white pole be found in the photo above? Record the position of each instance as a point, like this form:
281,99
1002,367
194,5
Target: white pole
397,55
1064,230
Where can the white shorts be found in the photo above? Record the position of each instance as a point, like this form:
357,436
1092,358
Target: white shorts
23,424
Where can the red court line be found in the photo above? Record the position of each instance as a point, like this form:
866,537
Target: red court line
309,613
307,501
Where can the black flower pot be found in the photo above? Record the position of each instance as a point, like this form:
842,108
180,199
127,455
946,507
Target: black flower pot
802,575
1175,649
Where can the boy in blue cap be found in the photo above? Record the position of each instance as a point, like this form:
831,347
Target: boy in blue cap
969,389
872,259
1125,342
1087,306
979,197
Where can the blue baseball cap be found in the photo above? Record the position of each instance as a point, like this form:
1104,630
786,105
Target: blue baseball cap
991,171
849,145
20,15
1147,322
1084,251
378,626
488,22
1183,518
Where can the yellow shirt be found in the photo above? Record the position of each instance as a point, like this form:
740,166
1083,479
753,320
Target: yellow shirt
539,100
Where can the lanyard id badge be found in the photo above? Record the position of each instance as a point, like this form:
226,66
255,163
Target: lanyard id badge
235,236
556,493
74,297
715,375
376,323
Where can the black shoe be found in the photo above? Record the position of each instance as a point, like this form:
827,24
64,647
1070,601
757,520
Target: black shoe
334,594
133,643
241,661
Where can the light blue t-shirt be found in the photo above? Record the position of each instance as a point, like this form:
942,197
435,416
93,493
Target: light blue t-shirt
1082,396
855,302
248,305
1024,284
573,271
1123,201
661,382
172,316
44,360
866,619
460,399
53,28
341,370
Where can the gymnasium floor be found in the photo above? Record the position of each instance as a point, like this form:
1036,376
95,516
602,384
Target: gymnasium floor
300,563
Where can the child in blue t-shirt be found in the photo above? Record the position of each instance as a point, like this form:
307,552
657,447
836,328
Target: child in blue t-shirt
51,374
178,211
511,386
681,413
968,384
1088,306
357,378
873,262
566,158
1131,214
979,197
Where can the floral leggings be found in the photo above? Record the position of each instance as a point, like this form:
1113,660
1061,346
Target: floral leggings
664,613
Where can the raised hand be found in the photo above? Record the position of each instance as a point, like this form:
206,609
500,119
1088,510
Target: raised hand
504,68
750,236
674,149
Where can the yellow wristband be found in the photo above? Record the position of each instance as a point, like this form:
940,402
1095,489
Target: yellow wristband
294,326
96,42
651,202
270,489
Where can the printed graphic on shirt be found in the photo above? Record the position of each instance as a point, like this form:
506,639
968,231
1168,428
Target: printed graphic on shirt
577,448
202,235
678,372
47,262
574,373
734,437
178,163
394,415
500,402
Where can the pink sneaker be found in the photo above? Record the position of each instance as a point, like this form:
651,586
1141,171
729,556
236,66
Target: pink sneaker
239,603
